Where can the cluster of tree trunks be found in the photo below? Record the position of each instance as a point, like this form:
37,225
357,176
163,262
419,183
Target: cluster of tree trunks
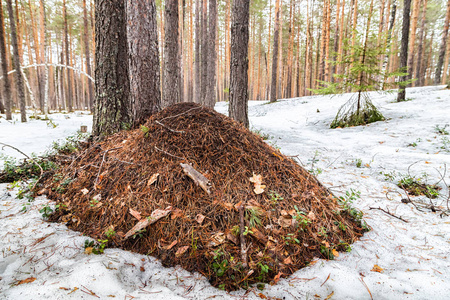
186,55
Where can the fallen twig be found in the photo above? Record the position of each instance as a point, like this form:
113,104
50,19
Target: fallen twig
165,152
389,213
197,177
183,113
100,169
31,159
362,280
168,128
243,248
88,291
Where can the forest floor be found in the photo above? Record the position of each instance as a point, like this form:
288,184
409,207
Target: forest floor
395,260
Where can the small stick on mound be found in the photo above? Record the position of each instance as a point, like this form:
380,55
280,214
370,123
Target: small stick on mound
243,247
198,177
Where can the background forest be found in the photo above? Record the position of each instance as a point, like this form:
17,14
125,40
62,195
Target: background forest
304,38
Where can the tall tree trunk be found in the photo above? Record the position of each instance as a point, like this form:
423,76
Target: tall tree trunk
322,50
171,93
142,34
204,51
197,85
238,109
43,19
419,63
112,109
387,46
38,56
437,76
268,66
412,38
427,69
227,49
16,60
4,62
404,48
306,83
87,54
181,50
191,53
212,56
67,52
276,38
336,39
290,50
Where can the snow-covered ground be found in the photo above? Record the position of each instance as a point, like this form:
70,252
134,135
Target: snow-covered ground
396,260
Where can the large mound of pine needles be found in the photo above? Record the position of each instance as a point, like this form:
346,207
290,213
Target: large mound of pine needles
194,188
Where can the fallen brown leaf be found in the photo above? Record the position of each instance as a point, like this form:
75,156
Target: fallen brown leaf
28,280
181,251
377,268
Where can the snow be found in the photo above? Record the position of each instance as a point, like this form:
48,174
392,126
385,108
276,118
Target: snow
414,256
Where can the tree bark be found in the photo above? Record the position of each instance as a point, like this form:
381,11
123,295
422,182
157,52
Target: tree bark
67,52
43,18
16,61
437,76
142,33
204,52
238,109
412,38
276,38
419,63
112,109
171,93
388,43
197,85
212,56
6,84
404,48
87,54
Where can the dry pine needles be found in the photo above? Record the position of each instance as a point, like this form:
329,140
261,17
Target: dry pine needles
252,216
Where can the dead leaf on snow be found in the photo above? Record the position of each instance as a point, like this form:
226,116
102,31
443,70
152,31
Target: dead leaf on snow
277,277
335,253
377,268
28,280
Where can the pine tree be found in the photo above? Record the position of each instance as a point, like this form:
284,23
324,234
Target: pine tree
364,73
276,38
143,49
404,50
112,108
171,94
238,109
6,83
16,61
437,76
